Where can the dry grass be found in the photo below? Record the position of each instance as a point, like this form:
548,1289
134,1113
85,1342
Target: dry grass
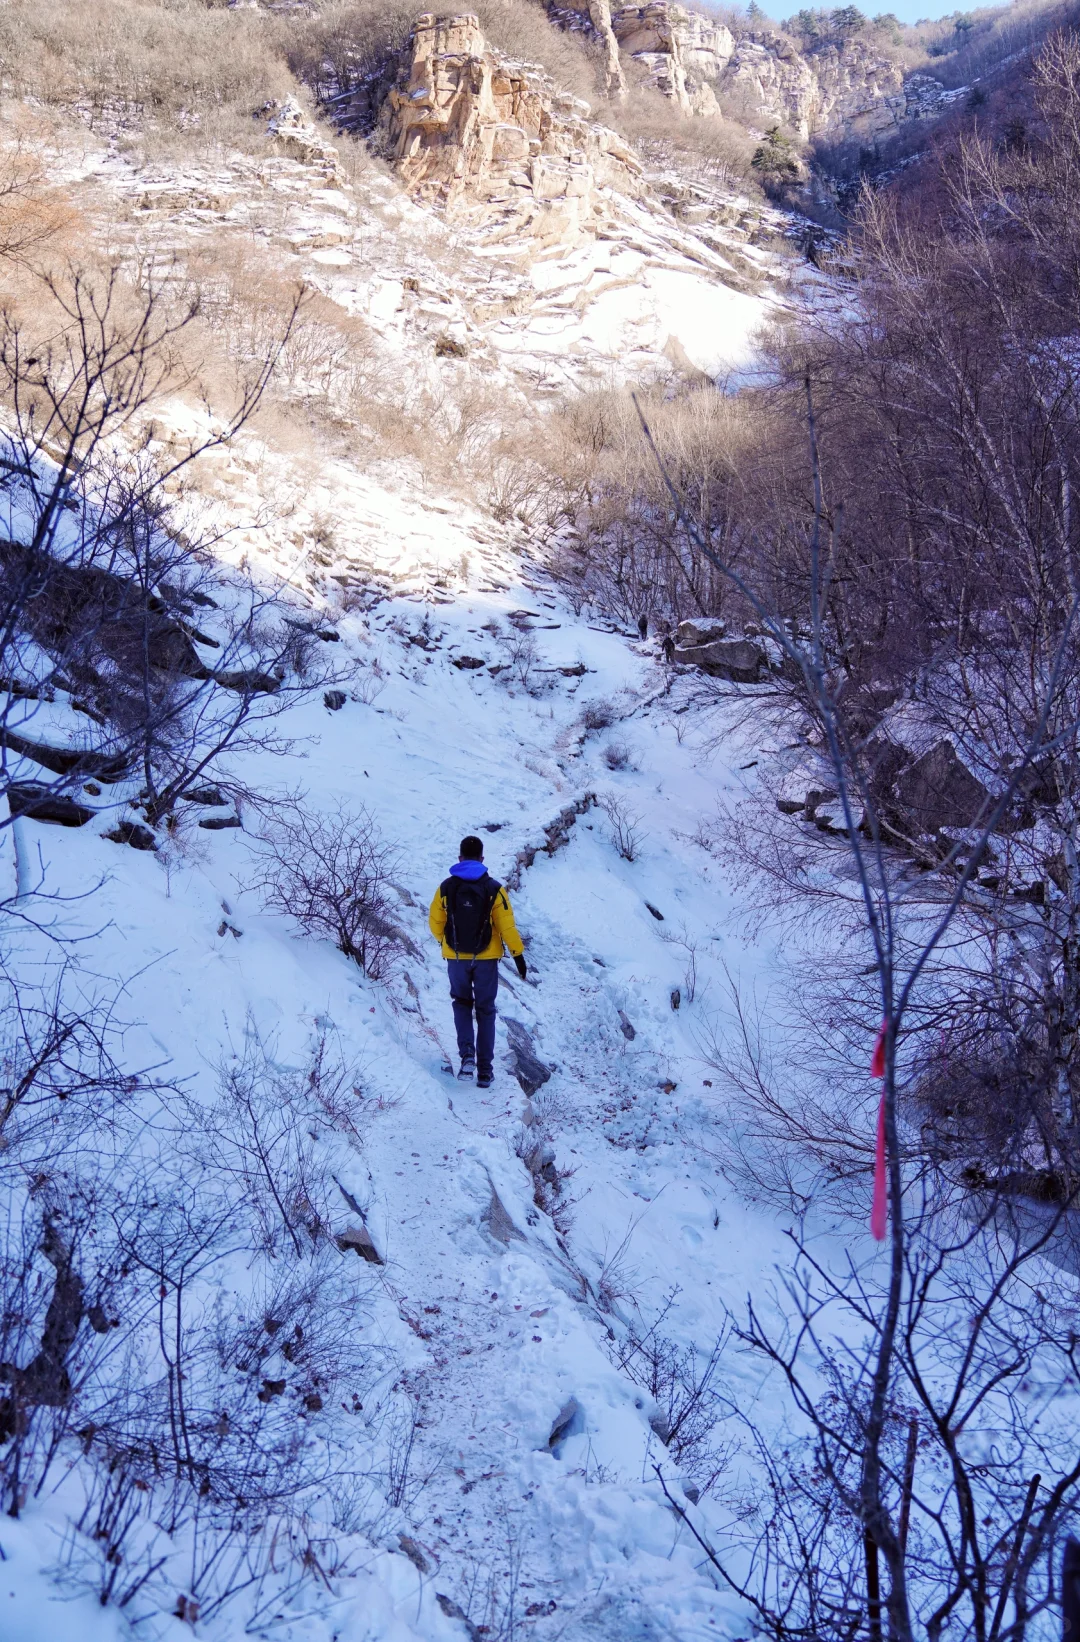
349,40
718,151
36,216
179,63
586,470
337,385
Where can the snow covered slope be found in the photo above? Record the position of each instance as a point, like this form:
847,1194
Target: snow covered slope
511,1455
526,1291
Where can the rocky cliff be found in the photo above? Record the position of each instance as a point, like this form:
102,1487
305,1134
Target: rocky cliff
842,89
496,142
496,145
682,52
594,17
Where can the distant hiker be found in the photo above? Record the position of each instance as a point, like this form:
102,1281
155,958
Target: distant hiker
669,648
643,626
472,918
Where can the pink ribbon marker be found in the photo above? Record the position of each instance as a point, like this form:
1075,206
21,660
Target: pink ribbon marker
879,1209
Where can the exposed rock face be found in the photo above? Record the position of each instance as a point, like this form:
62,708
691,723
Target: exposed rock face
847,89
740,660
682,51
496,145
494,142
594,16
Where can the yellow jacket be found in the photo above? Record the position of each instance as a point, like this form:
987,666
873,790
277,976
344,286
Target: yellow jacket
503,928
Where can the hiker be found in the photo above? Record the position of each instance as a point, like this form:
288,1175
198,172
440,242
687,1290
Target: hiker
643,626
472,918
669,648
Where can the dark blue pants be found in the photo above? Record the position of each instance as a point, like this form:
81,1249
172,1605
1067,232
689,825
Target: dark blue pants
474,983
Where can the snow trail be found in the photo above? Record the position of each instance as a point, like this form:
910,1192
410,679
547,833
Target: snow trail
501,1323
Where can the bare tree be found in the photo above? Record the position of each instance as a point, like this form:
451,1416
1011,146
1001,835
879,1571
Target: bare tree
985,541
84,488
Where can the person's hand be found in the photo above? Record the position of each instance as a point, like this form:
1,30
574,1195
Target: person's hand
522,966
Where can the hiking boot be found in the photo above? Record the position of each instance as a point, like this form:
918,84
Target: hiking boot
468,1067
485,1080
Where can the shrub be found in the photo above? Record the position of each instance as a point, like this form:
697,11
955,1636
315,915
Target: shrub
625,834
598,714
180,63
331,874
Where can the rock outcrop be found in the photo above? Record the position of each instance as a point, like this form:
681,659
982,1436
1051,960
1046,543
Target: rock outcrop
298,136
594,17
683,52
496,143
846,89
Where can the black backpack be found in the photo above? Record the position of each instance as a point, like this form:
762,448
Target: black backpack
469,905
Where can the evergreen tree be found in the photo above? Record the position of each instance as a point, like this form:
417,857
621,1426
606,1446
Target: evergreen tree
847,20
775,161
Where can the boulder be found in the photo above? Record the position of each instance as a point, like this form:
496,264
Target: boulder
801,791
210,796
37,803
334,700
938,790
468,664
739,660
530,1071
828,816
498,1222
454,1610
133,833
690,634
248,681
220,823
358,1238
415,1553
538,1157
568,1422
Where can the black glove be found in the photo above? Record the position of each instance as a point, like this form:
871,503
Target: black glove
522,967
